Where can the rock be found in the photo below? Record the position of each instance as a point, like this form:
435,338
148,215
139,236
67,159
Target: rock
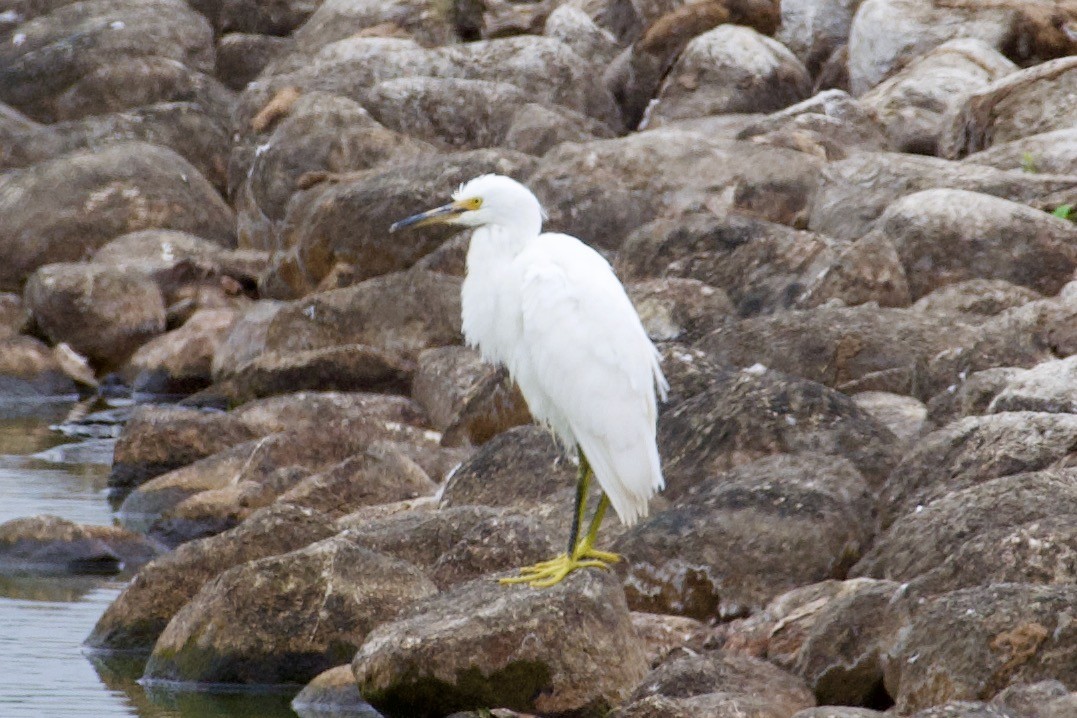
102,313
380,475
184,127
519,467
868,270
497,544
932,231
854,192
348,221
257,471
1044,699
887,34
663,634
968,397
1052,152
913,103
62,47
29,369
972,643
339,19
332,691
717,684
467,399
482,645
419,536
682,309
1005,529
746,415
731,69
138,615
793,520
1049,386
536,129
179,362
975,297
762,266
905,416
74,204
814,29
331,595
600,191
838,712
52,545
633,18
241,56
976,449
319,134
1023,103
575,28
12,315
276,18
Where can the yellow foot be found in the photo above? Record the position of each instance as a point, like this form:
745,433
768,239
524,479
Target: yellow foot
552,572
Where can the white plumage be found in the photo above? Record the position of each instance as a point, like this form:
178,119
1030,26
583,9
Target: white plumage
552,311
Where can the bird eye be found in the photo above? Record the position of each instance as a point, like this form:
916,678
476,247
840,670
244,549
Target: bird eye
473,203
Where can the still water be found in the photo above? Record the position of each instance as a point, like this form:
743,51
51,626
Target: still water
48,465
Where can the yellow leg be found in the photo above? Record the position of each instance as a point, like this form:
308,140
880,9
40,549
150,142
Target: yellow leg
581,553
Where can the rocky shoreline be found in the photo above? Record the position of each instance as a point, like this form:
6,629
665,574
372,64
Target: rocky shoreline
848,224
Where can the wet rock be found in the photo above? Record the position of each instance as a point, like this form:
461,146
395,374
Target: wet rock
974,450
1050,386
496,544
972,643
887,34
52,545
332,691
179,362
761,265
932,230
814,29
1023,103
331,594
793,520
380,475
663,634
29,369
519,467
601,191
905,416
913,103
567,648
854,192
74,204
681,309
1052,152
348,221
746,415
242,56
731,69
1006,529
467,399
319,134
62,47
101,313
138,615
717,684
976,297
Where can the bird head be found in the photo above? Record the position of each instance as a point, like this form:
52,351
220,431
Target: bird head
485,200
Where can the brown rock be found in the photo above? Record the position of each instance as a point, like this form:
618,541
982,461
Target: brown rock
331,691
280,17
838,712
977,297
972,643
73,204
179,362
1050,386
681,309
28,368
905,416
729,547
241,56
331,595
663,634
482,645
418,536
814,29
52,545
974,450
868,270
100,312
339,19
12,315
1054,152
138,615
496,544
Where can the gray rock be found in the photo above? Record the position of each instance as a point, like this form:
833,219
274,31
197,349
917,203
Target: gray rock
567,648
178,362
333,692
279,17
1050,386
242,56
47,544
905,416
334,20
1053,152
575,28
331,595
975,298
814,29
678,309
496,544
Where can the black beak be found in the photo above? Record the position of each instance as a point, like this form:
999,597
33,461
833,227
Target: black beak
438,215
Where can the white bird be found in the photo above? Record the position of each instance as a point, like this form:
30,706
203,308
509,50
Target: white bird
551,310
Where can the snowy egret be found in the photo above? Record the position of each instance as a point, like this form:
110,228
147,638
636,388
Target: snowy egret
551,310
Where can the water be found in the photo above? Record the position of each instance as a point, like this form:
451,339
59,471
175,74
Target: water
43,621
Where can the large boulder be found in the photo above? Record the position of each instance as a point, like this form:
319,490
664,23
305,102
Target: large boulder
331,595
570,648
51,545
102,313
1050,386
66,208
136,618
179,361
1054,152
